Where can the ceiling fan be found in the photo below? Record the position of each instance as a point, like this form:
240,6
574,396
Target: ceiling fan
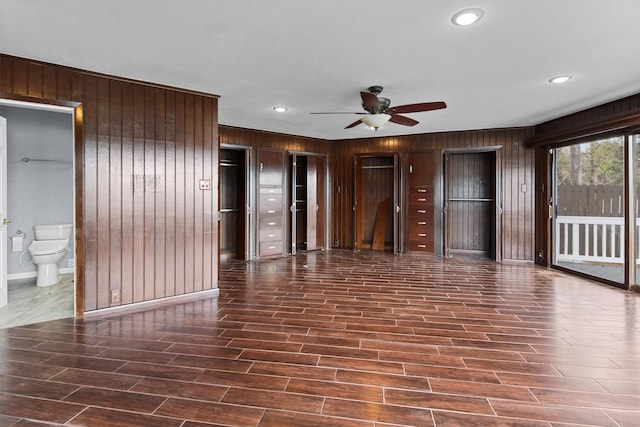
378,110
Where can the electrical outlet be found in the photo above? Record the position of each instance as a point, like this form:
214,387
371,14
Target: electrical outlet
205,184
71,262
115,295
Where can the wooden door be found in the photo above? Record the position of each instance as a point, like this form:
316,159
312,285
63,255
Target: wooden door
271,202
316,218
298,199
419,178
471,204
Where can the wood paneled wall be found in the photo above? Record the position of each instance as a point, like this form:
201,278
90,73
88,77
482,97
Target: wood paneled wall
612,116
144,229
517,168
264,139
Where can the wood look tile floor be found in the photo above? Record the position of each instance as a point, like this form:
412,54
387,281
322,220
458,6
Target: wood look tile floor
342,339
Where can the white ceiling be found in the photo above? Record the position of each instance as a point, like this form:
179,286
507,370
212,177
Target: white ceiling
317,55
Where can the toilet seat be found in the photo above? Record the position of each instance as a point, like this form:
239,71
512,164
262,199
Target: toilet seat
48,247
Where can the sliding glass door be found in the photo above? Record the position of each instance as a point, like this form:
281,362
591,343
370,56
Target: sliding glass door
589,208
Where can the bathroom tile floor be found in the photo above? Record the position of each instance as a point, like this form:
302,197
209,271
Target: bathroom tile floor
341,339
29,303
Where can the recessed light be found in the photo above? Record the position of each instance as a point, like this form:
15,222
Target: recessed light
467,16
560,79
280,109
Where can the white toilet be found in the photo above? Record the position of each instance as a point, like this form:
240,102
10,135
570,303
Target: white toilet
49,247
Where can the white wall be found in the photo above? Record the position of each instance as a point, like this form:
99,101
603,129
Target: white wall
38,192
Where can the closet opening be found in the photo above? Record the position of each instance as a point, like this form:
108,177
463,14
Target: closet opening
234,205
472,207
376,203
308,202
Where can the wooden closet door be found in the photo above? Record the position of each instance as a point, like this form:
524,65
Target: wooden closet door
271,202
315,202
420,179
321,197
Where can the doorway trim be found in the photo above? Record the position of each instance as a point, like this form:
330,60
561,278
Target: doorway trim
78,161
441,216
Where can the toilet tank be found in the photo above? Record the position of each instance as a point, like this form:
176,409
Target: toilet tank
52,231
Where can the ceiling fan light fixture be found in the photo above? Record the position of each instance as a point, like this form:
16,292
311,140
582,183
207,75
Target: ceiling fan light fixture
374,121
467,17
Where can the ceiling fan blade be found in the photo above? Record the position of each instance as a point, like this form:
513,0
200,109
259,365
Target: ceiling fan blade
416,108
403,120
354,124
370,102
339,112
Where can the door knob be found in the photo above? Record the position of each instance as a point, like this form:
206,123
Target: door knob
6,221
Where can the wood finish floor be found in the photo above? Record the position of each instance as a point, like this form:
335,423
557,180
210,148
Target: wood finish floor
342,339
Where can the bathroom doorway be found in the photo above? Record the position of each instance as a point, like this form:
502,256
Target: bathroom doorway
40,186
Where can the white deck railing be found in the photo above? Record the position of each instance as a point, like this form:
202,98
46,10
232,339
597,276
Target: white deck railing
590,238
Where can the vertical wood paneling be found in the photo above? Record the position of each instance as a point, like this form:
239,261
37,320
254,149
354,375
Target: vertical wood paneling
137,291
115,187
516,167
198,195
189,187
210,158
142,149
180,209
127,191
89,89
618,114
102,177
169,264
49,84
160,194
270,140
149,190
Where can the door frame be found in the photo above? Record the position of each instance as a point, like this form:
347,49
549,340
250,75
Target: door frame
249,243
293,155
75,109
496,223
4,291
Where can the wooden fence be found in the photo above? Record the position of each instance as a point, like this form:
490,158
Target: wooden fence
590,200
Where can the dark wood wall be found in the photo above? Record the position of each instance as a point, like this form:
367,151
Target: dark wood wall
265,141
144,229
610,117
262,139
516,167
